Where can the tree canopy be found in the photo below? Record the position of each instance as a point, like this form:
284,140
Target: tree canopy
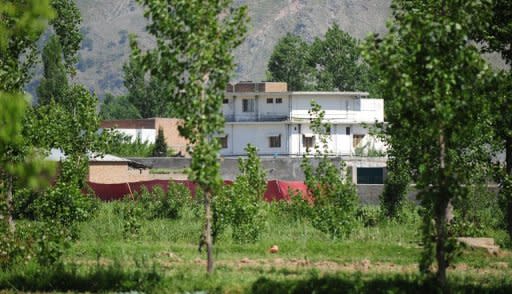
438,114
194,60
331,63
55,81
288,63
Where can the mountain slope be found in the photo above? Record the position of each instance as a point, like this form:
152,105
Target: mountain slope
107,24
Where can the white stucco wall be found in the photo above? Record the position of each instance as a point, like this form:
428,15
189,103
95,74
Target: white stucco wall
339,108
257,134
146,135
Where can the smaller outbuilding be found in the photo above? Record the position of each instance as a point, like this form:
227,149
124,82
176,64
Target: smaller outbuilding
109,169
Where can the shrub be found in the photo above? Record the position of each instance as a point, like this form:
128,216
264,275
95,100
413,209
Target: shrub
41,242
477,213
65,204
336,200
158,204
297,209
160,147
240,205
369,215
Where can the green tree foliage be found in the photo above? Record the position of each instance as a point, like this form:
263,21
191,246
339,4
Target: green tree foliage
55,81
432,81
395,186
336,200
22,23
118,107
21,26
251,169
72,127
240,206
122,145
330,63
194,60
160,147
337,63
288,63
496,37
67,27
145,91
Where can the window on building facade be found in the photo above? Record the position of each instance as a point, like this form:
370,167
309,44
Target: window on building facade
223,141
347,130
270,100
356,140
308,141
275,141
225,101
279,100
248,105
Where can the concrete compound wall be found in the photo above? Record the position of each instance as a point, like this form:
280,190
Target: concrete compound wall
285,168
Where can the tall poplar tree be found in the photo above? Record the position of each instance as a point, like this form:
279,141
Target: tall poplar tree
438,115
55,81
194,58
497,37
21,25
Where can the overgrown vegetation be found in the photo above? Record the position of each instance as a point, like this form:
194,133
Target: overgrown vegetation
437,108
335,198
240,206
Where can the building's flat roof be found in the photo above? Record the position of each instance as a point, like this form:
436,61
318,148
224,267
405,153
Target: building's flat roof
58,155
302,93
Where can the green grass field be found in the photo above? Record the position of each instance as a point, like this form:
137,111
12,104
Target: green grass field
163,257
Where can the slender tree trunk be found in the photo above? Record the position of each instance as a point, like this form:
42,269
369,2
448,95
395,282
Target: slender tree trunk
208,231
9,199
442,213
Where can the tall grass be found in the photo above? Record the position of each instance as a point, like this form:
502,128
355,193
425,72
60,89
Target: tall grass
163,257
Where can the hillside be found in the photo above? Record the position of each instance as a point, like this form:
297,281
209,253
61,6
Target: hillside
107,24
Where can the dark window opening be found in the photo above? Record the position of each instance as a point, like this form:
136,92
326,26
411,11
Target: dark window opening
308,141
248,105
223,141
275,141
279,100
370,175
270,100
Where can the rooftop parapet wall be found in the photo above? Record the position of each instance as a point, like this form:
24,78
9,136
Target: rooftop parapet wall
263,87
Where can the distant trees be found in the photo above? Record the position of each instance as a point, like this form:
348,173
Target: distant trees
145,91
289,63
117,107
55,81
330,63
160,147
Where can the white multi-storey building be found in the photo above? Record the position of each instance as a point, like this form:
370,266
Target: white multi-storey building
277,122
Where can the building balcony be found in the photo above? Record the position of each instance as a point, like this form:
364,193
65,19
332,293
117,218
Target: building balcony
245,117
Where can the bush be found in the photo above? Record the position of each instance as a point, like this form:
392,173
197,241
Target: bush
240,206
40,242
65,204
158,204
369,215
336,199
477,213
297,209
